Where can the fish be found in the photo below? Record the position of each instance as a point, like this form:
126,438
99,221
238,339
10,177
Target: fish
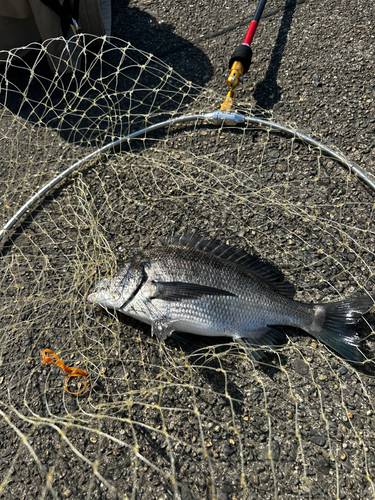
206,287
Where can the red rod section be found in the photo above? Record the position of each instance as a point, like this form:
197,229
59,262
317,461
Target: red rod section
250,33
242,53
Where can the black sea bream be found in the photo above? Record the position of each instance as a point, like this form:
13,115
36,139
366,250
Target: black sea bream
208,288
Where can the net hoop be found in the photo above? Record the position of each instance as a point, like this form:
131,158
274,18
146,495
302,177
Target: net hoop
217,118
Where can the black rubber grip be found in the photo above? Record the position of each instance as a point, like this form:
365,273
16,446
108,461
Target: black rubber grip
242,54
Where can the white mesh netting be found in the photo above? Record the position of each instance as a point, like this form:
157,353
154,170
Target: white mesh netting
178,419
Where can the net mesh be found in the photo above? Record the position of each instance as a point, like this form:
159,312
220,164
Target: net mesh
181,419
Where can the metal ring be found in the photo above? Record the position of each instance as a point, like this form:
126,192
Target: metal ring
216,117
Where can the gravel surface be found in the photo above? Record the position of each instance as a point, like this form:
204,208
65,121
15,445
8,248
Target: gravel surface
168,421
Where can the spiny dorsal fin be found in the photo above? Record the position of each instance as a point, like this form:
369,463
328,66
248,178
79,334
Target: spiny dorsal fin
263,270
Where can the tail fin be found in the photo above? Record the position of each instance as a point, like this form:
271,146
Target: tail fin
333,325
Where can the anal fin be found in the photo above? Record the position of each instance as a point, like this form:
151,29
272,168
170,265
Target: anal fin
257,342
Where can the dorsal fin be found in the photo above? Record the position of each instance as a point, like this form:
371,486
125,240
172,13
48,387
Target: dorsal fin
263,270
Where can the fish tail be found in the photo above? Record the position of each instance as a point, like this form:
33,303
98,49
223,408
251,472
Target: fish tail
334,325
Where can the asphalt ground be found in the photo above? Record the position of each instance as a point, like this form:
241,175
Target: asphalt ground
312,60
221,428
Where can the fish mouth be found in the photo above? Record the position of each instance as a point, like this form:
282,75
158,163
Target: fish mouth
90,297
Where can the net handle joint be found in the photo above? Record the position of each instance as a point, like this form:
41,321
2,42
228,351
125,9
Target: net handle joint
240,61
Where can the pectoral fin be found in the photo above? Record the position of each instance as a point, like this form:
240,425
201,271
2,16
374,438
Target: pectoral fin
179,290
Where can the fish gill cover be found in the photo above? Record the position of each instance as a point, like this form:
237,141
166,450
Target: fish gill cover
176,419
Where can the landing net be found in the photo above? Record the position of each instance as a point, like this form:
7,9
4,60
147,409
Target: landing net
181,419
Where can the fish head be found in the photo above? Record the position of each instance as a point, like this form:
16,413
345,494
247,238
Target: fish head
115,292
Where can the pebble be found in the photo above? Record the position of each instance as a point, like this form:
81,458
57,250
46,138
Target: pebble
256,393
221,495
300,366
228,449
185,492
323,466
272,451
342,371
264,477
317,439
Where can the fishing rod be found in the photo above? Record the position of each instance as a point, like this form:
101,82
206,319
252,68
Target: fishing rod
240,61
